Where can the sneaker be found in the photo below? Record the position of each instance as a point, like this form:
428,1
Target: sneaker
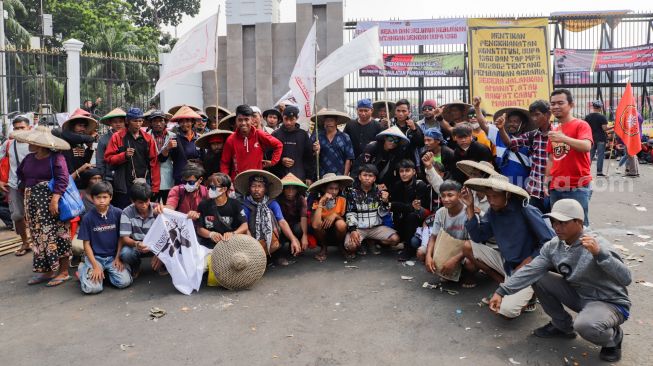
550,331
612,354
406,254
600,174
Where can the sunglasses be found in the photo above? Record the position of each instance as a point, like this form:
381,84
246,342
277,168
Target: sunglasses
428,108
191,182
393,139
213,186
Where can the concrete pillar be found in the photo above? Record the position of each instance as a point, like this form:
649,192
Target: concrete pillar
73,48
263,36
234,69
334,39
302,24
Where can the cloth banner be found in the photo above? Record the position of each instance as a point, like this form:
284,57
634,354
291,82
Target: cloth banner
509,62
302,79
418,32
629,58
173,240
194,52
626,125
435,64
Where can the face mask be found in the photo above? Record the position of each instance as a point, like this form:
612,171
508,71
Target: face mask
213,193
475,126
190,187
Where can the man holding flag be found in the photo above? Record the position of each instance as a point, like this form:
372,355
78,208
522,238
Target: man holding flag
627,127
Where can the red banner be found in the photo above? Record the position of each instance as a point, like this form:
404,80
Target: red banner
567,60
626,125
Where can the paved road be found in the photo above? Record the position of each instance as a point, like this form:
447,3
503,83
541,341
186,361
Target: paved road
313,314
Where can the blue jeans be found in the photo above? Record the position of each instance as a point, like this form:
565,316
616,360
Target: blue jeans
598,149
120,279
580,194
131,256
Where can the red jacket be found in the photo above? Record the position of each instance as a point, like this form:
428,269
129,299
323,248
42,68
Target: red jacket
116,156
243,153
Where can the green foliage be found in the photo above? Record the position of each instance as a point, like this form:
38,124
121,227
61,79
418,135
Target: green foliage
157,12
16,34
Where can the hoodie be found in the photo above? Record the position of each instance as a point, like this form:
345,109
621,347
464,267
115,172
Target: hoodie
244,153
297,146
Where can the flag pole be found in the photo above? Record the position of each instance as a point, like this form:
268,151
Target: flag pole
385,95
215,73
317,139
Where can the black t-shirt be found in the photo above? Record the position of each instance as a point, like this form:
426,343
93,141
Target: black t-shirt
220,219
361,135
596,121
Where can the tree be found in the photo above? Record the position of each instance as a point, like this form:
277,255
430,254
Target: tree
16,34
158,12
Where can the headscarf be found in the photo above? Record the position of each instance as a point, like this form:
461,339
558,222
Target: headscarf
262,229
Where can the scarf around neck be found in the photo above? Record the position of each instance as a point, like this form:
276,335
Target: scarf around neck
262,229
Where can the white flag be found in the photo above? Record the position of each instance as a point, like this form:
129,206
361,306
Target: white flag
194,52
364,50
172,239
302,79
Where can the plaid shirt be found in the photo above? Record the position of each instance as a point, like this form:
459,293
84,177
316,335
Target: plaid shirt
364,210
536,141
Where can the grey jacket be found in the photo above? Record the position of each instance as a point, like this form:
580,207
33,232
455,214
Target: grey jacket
600,278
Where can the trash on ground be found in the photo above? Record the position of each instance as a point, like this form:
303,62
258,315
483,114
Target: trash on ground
512,361
629,233
645,237
410,263
621,247
406,278
352,267
641,208
641,243
156,313
439,287
645,283
124,347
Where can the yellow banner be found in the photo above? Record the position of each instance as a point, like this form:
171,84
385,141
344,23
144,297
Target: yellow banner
509,62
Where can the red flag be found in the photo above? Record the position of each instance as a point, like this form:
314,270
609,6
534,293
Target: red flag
626,125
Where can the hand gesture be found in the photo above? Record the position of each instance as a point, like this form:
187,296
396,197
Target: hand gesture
193,215
430,264
85,167
328,221
385,196
427,159
495,302
355,237
325,198
385,123
438,111
381,187
130,151
3,187
287,162
501,122
172,144
227,236
466,197
557,136
411,124
267,163
216,237
118,264
141,247
477,104
417,205
591,244
316,147
295,247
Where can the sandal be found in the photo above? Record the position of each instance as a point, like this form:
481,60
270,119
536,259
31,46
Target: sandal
57,281
320,257
22,251
36,279
531,306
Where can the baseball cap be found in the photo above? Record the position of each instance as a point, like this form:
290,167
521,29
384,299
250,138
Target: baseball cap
256,109
291,111
430,103
364,103
565,210
597,104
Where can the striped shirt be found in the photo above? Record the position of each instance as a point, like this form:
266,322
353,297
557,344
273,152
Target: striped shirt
135,226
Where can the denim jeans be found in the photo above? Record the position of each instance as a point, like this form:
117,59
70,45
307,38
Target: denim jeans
120,279
131,256
598,149
580,194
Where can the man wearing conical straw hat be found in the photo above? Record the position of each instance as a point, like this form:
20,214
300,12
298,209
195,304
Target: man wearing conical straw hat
519,231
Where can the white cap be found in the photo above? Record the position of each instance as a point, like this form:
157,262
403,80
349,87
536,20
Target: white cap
256,109
566,209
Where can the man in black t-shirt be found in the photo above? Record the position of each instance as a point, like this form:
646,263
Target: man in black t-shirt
220,216
599,125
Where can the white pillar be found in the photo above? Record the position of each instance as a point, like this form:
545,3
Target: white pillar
73,48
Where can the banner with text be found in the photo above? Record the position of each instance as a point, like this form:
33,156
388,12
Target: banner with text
418,32
630,58
508,61
420,65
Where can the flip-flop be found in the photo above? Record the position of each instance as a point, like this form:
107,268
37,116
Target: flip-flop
21,252
36,279
57,281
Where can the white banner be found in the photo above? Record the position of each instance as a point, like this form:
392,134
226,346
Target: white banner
172,239
302,79
194,52
418,32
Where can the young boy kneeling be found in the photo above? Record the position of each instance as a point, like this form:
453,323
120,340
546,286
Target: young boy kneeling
135,223
99,231
450,219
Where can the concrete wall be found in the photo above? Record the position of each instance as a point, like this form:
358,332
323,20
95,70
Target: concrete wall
255,61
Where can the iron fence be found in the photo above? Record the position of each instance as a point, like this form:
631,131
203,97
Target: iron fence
611,32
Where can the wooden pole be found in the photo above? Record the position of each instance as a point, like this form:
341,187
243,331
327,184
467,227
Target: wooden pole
217,94
317,139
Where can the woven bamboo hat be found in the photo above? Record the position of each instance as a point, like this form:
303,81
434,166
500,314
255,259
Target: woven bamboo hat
238,262
205,140
43,137
341,117
393,131
446,110
345,181
496,182
185,112
228,123
176,108
473,168
291,180
242,182
380,104
529,125
212,111
117,112
80,115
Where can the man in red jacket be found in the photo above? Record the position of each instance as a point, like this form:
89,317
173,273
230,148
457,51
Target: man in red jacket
244,149
133,155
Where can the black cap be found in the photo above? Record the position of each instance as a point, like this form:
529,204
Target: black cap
291,111
156,114
597,104
244,110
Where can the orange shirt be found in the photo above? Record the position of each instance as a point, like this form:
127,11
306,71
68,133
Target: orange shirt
481,137
339,208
